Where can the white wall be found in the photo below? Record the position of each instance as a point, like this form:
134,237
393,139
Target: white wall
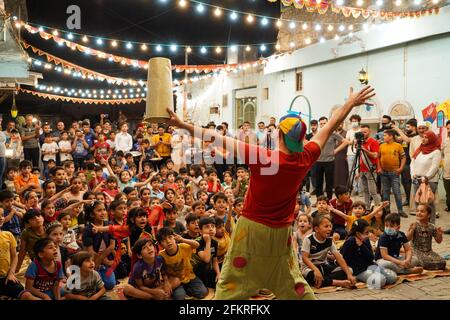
418,72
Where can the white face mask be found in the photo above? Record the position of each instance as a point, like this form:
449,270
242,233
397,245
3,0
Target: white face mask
355,124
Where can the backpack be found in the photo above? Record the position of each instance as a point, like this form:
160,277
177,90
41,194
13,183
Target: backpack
424,194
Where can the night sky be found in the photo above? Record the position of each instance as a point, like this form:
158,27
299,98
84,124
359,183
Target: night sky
146,21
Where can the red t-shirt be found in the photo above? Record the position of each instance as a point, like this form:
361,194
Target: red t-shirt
275,180
211,184
373,146
344,207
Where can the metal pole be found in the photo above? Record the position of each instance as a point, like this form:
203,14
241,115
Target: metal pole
186,61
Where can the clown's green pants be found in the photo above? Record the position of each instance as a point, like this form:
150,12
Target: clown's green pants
261,257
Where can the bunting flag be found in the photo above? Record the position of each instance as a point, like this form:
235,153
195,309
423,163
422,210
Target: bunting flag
81,101
429,113
323,5
141,64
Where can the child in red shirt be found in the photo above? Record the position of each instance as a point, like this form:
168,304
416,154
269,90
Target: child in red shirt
102,149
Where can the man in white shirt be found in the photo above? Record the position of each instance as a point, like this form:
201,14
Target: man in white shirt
124,141
261,132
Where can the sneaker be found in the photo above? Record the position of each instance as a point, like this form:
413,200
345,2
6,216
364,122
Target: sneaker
403,214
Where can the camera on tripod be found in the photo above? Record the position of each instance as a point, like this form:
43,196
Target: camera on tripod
359,137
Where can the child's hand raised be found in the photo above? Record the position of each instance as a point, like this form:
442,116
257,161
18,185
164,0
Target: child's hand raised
177,237
206,237
94,229
384,204
439,230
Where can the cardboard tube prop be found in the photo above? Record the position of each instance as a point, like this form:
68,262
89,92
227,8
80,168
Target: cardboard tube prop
159,95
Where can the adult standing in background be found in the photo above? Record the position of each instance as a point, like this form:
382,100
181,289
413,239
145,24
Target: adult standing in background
29,133
163,144
325,163
14,144
311,176
340,161
425,164
446,156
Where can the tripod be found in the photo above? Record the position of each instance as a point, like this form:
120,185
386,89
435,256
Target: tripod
357,165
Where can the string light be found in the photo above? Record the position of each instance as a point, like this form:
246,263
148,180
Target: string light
114,43
322,40
188,49
100,42
144,47
182,3
340,2
360,3
304,26
264,21
173,48
159,48
336,37
350,27
262,48
278,46
85,39
217,12
330,27
279,24
55,33
341,27
200,8
292,44
417,2
250,18
435,1
203,50
234,48
233,15
129,45
379,3
318,27
292,25
398,3
218,50
308,41
70,36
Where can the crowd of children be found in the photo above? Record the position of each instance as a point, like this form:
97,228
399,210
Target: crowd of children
115,217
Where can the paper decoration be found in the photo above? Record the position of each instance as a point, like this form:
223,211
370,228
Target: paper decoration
445,107
322,7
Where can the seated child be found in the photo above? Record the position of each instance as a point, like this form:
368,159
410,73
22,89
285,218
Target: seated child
343,203
69,240
315,268
358,254
204,261
389,245
171,219
44,274
421,233
199,209
322,207
220,204
193,231
358,209
91,286
304,222
148,279
11,214
54,231
177,258
9,285
34,231
223,239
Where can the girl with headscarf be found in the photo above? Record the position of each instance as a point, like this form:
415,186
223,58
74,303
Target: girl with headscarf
425,165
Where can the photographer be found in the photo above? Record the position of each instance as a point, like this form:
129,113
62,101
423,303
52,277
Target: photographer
370,148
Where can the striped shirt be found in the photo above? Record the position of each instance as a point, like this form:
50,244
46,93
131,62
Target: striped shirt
317,250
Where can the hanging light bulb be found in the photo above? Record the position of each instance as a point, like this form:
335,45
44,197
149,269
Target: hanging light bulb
279,23
340,2
292,44
234,48
350,27
278,46
144,47
188,49
217,12
114,43
218,50
129,45
233,15
262,48
173,48
182,3
158,48
308,40
336,37
264,21
398,3
435,1
248,48
250,18
359,3
341,27
322,40
304,26
85,39
200,8
14,110
203,50
70,36
417,2
317,27
55,32
330,27
292,25
99,42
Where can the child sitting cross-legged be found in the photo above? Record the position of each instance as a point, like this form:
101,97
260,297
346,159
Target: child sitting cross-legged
44,274
389,245
148,279
177,258
223,238
357,252
421,233
315,268
171,218
91,286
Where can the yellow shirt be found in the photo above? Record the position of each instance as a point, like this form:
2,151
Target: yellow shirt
390,156
7,242
352,219
179,265
223,245
161,148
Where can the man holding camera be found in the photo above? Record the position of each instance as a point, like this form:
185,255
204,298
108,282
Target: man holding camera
368,163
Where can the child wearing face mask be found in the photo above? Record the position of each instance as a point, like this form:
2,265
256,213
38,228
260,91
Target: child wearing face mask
391,241
358,254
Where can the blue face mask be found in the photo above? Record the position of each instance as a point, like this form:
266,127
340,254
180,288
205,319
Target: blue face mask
390,231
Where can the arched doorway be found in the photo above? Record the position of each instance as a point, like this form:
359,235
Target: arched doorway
401,111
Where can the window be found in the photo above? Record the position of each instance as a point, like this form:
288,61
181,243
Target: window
298,81
214,110
266,94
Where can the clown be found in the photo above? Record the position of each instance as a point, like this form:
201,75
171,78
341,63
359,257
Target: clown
261,253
